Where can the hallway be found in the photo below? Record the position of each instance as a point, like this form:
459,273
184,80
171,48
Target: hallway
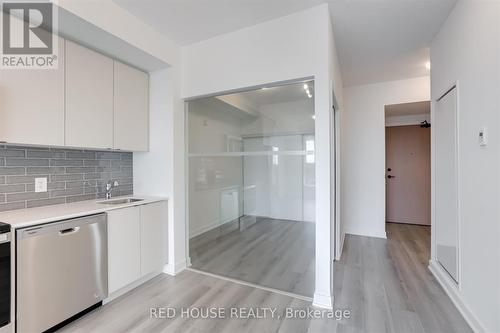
389,287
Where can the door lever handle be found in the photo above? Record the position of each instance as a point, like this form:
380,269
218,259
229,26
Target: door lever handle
390,176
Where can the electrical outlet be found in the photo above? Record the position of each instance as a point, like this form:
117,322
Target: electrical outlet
41,184
483,137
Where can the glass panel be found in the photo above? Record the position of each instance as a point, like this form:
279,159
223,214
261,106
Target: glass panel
251,183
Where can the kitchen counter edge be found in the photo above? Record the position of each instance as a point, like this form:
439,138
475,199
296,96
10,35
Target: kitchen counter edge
29,217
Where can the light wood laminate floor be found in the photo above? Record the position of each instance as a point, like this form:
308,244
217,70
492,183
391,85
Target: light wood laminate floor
277,254
385,284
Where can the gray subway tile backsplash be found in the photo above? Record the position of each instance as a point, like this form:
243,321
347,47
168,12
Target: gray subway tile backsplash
12,206
13,161
65,162
12,188
9,152
25,196
45,154
72,175
45,202
12,171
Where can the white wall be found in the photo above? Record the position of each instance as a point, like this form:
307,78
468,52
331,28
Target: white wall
155,172
467,51
363,150
301,44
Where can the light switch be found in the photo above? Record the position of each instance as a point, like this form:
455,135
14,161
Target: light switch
483,137
41,184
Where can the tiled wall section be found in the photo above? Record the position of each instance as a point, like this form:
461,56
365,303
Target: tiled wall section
72,175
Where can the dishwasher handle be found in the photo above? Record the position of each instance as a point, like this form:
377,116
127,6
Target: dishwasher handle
60,228
68,231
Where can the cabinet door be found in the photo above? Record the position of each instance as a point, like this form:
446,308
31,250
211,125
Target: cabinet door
89,98
124,247
32,104
154,219
131,108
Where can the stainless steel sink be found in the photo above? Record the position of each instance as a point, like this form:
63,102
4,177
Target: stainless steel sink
119,201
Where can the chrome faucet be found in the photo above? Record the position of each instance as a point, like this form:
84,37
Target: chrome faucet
110,185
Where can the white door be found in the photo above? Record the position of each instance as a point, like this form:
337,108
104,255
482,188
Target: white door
408,177
446,201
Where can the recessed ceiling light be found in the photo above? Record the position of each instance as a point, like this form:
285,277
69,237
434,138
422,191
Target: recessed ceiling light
428,65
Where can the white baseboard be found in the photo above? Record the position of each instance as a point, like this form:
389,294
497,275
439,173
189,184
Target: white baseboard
174,269
323,301
453,293
379,234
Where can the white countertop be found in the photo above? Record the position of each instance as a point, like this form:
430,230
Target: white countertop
33,216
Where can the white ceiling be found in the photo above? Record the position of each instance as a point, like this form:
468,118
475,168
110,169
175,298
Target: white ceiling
384,40
277,94
377,40
407,109
190,21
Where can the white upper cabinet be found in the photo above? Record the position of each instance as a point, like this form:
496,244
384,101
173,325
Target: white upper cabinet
32,104
131,108
89,101
89,98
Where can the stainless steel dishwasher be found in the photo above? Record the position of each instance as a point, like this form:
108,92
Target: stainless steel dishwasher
61,271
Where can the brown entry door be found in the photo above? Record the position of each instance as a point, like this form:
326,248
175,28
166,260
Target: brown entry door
408,174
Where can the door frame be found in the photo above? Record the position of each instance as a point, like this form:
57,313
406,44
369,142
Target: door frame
431,158
433,262
336,156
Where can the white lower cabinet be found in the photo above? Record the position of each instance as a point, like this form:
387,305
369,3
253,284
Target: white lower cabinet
124,247
153,236
137,238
